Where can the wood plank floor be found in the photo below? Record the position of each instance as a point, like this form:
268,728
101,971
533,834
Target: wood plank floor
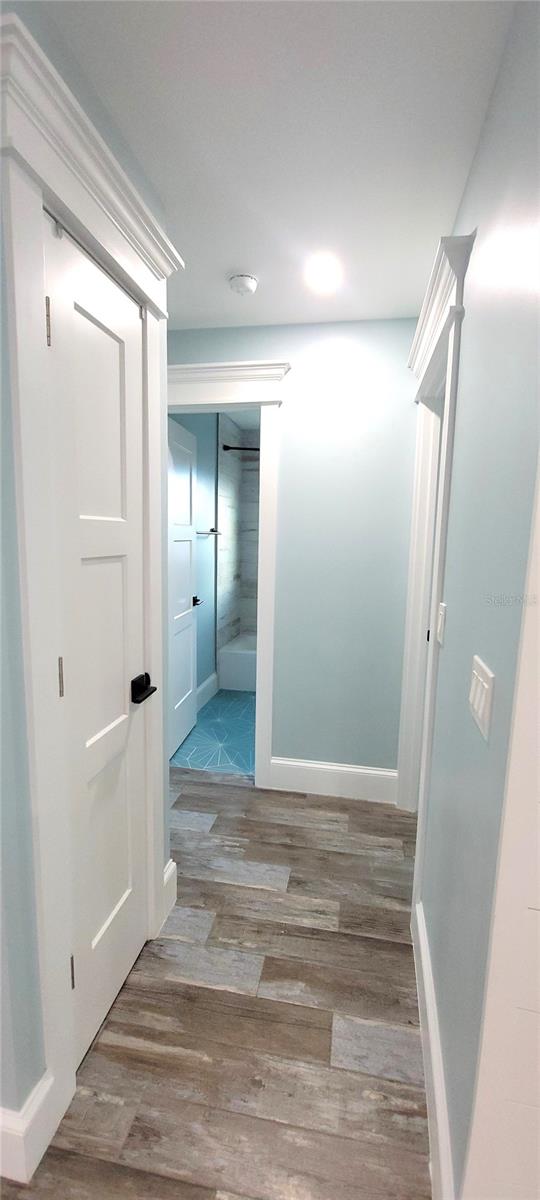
266,1046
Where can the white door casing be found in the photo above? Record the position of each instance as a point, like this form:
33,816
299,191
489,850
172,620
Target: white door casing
222,387
182,474
96,366
420,580
434,359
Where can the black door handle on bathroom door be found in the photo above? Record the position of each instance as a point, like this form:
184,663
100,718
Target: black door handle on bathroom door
196,601
141,688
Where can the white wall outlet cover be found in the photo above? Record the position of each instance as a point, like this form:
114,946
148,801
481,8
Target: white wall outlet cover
441,623
481,695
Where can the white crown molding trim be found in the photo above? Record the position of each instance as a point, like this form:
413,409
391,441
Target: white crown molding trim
25,1133
30,86
228,372
333,779
441,1168
444,292
211,387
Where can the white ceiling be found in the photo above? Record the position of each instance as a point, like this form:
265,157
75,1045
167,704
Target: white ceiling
273,129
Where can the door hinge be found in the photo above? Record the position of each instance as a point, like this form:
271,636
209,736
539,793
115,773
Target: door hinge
141,312
427,635
72,972
48,319
60,677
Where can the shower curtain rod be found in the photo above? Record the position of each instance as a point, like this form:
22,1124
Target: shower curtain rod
243,449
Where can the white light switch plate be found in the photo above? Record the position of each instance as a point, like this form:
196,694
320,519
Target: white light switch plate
441,624
481,695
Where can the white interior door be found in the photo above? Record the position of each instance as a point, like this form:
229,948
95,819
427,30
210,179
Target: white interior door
182,620
96,358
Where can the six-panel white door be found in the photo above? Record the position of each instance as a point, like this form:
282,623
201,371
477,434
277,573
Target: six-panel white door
96,360
182,621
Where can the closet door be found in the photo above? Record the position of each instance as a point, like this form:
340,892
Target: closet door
96,359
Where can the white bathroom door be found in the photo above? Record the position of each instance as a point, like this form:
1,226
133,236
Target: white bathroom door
95,357
182,620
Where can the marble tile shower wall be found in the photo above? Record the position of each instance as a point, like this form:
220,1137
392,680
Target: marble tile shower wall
238,522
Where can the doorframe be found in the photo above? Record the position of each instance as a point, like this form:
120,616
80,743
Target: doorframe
434,359
189,445
54,158
224,387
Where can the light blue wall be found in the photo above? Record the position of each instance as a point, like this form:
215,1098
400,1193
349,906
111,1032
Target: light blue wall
204,427
41,19
490,515
343,530
21,1059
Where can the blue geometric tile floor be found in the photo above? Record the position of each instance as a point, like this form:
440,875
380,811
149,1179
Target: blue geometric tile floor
223,738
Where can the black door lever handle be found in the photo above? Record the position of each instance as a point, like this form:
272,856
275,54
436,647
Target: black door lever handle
141,688
196,601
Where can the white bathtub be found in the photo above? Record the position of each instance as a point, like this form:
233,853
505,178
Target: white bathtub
237,664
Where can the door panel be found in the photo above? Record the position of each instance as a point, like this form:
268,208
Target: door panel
96,359
182,620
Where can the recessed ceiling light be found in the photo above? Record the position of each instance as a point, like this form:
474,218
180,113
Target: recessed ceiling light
323,273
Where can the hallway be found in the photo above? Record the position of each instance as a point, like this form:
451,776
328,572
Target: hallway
266,1046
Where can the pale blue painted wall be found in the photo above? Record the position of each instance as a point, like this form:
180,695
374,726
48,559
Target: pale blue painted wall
204,427
21,1059
343,530
488,538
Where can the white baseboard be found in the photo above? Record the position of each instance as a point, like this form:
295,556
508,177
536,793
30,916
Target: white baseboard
442,1173
25,1133
206,690
169,888
333,779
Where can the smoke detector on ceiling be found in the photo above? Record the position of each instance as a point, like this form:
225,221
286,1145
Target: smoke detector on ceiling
244,285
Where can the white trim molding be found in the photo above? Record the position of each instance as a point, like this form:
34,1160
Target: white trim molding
441,1168
240,384
444,293
434,360
333,779
270,440
170,873
211,387
25,1133
206,690
44,127
415,656
228,372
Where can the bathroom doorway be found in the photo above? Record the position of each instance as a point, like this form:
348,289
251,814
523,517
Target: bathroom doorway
214,484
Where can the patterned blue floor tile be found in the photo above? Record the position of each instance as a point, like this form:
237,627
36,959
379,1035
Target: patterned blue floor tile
224,736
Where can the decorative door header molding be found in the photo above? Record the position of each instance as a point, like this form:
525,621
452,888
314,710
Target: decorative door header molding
443,301
228,372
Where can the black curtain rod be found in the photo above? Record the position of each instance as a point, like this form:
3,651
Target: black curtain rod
243,449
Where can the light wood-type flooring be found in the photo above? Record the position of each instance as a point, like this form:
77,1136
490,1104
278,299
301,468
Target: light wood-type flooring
266,1046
